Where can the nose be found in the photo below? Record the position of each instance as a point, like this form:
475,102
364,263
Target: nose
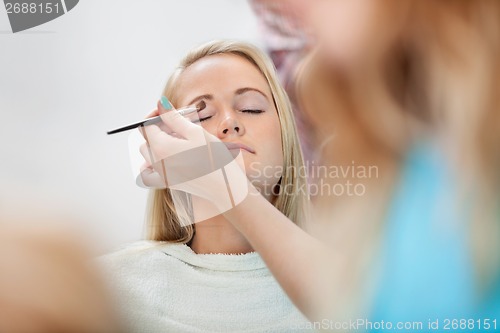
230,126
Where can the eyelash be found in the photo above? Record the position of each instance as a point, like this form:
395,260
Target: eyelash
203,119
252,111
246,111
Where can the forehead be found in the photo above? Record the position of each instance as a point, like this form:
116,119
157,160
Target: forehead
220,74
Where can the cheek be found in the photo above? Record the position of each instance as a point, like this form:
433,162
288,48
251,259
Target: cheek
270,142
277,147
210,127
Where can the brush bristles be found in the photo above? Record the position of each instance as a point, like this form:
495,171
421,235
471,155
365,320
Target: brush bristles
201,105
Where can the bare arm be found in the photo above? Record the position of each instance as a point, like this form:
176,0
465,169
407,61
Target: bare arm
298,261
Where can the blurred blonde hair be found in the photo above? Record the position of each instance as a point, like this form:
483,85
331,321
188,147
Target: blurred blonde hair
164,222
438,72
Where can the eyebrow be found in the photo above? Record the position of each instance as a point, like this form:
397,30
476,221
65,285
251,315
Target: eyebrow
196,99
247,89
240,91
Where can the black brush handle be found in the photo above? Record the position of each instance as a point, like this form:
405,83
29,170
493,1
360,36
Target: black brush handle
149,121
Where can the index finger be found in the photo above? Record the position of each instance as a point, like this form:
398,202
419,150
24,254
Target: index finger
161,125
153,114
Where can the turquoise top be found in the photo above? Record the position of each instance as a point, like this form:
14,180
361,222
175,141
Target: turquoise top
427,272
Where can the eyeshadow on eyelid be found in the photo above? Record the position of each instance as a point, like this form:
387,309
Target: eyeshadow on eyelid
207,111
250,106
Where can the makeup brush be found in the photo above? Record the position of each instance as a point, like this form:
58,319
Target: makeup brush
185,111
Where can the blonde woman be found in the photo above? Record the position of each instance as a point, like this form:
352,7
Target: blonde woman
206,276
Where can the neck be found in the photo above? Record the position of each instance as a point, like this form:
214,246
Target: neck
217,235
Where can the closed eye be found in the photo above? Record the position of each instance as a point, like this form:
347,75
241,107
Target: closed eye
201,119
252,111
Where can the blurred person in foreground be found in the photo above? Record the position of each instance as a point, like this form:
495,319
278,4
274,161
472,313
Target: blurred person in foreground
405,96
47,284
287,42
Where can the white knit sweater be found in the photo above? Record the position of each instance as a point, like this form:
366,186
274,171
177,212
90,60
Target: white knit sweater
163,287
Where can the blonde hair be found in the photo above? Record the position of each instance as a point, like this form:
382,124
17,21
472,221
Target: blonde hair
438,71
163,220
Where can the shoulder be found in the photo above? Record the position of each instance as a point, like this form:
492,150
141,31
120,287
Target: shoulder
138,277
135,269
138,257
134,248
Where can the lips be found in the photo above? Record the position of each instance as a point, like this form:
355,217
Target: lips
238,146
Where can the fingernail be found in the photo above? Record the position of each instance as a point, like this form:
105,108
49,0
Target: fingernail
165,103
